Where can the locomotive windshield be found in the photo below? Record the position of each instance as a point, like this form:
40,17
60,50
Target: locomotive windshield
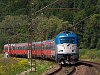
67,40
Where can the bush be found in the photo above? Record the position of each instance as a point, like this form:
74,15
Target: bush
91,54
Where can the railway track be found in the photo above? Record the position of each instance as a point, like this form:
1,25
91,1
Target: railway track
61,70
70,70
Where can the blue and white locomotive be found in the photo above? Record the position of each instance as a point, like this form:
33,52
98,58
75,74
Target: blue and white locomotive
67,48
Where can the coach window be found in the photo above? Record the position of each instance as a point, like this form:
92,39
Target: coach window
13,48
5,48
26,48
49,46
40,47
35,47
32,47
53,47
16,48
19,48
43,47
46,46
23,48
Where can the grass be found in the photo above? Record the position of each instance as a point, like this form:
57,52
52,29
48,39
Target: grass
90,54
41,67
1,55
13,66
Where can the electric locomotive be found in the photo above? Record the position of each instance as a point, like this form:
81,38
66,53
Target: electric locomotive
67,48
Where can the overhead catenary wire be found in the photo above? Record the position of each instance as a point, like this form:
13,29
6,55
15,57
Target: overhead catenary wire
84,19
46,6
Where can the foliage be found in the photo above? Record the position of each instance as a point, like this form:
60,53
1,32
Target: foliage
13,28
90,54
50,27
12,66
85,22
41,66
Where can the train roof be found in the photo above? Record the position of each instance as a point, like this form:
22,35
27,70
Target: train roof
9,44
17,44
26,44
66,34
21,44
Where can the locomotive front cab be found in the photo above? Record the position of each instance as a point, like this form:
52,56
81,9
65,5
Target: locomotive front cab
67,50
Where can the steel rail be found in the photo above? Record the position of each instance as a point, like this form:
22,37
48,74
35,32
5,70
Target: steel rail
71,70
54,71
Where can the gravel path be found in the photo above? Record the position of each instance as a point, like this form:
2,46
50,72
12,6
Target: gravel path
85,70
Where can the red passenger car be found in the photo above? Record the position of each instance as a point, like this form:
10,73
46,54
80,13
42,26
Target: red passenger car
45,49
